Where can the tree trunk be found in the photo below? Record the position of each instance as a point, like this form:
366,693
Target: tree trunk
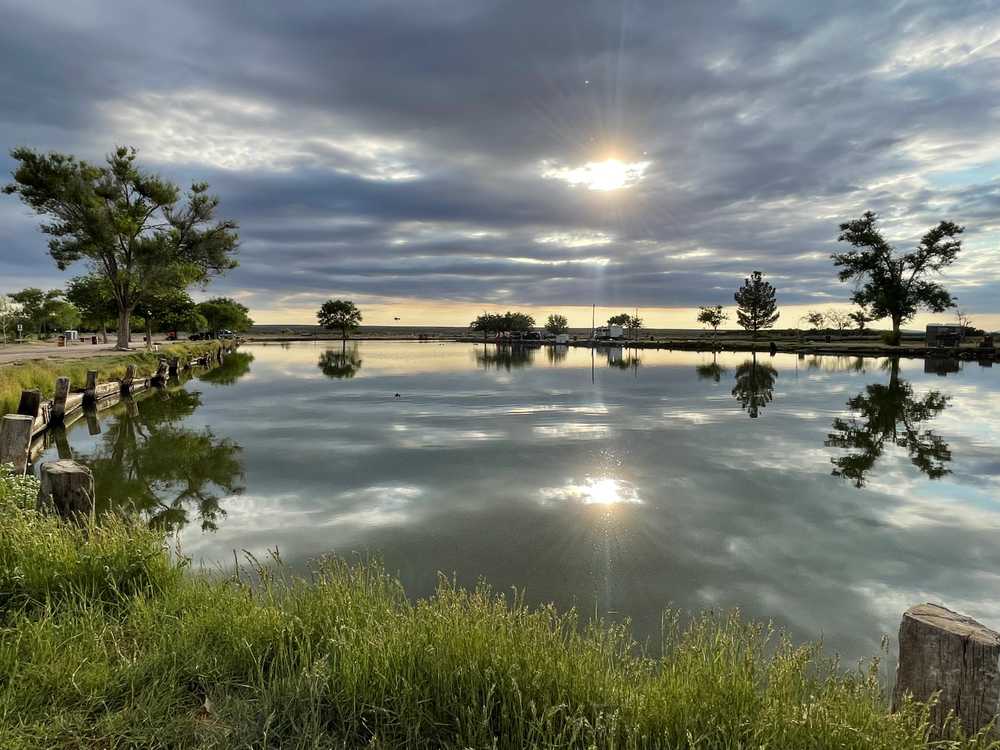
897,322
124,334
104,332
149,335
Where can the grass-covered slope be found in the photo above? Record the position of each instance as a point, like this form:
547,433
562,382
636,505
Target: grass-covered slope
106,642
42,373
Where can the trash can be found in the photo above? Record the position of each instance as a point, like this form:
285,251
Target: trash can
93,339
62,341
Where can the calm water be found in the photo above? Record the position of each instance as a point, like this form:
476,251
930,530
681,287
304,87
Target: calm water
614,483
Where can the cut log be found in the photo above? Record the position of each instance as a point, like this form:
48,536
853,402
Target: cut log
58,413
943,652
68,488
15,440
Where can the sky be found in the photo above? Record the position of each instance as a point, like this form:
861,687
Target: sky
431,160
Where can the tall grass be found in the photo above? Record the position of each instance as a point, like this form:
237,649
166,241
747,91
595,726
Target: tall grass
106,642
42,373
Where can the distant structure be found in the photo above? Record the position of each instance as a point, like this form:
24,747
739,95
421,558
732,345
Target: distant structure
944,334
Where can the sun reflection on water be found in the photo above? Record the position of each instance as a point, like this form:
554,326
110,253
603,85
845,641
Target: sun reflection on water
602,491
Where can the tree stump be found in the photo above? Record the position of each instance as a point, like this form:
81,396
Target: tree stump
15,440
68,488
30,403
58,412
943,651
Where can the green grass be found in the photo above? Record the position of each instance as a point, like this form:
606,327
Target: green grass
106,641
42,373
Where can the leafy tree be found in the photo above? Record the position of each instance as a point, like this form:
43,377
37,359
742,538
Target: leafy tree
10,312
342,364
93,298
488,323
815,318
893,285
628,322
42,312
557,324
757,307
63,315
128,224
517,322
754,387
839,320
225,313
887,415
860,318
339,314
712,316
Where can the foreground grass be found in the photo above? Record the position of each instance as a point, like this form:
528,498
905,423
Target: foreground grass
106,642
42,373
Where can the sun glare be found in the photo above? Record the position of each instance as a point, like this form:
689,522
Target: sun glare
610,174
605,491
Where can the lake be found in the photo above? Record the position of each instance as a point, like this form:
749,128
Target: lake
826,493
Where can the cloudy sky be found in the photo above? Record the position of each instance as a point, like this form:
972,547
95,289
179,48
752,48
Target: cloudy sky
433,159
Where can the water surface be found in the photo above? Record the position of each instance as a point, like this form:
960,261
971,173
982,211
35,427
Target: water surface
826,493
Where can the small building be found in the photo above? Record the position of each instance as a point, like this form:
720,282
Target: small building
944,334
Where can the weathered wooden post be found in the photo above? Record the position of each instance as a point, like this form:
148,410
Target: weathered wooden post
68,488
175,363
126,386
943,652
161,372
15,440
93,423
30,403
58,412
90,389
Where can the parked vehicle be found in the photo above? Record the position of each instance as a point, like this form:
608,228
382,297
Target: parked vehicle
172,336
609,333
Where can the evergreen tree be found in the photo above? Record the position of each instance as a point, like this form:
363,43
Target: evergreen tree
757,307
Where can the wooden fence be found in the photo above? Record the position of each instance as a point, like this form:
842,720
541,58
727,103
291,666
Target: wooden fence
34,415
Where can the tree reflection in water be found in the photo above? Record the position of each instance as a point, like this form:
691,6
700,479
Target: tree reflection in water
711,370
344,363
556,353
889,414
233,367
504,356
148,461
754,387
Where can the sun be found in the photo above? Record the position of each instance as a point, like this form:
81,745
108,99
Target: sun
607,175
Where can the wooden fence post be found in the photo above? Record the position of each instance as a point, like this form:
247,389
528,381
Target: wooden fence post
161,372
30,404
90,390
174,366
15,440
58,412
943,652
68,488
129,376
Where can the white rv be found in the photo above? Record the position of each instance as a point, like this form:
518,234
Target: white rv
609,333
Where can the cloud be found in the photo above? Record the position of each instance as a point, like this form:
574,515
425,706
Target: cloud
426,150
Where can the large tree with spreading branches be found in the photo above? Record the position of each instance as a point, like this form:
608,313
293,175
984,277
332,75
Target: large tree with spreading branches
133,228
896,285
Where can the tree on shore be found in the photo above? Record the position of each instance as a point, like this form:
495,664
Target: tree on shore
129,224
225,313
815,318
9,313
557,324
92,296
757,307
631,323
860,318
487,323
38,309
339,314
839,320
894,285
712,316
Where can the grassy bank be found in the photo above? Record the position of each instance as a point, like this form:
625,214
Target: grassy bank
106,642
42,373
